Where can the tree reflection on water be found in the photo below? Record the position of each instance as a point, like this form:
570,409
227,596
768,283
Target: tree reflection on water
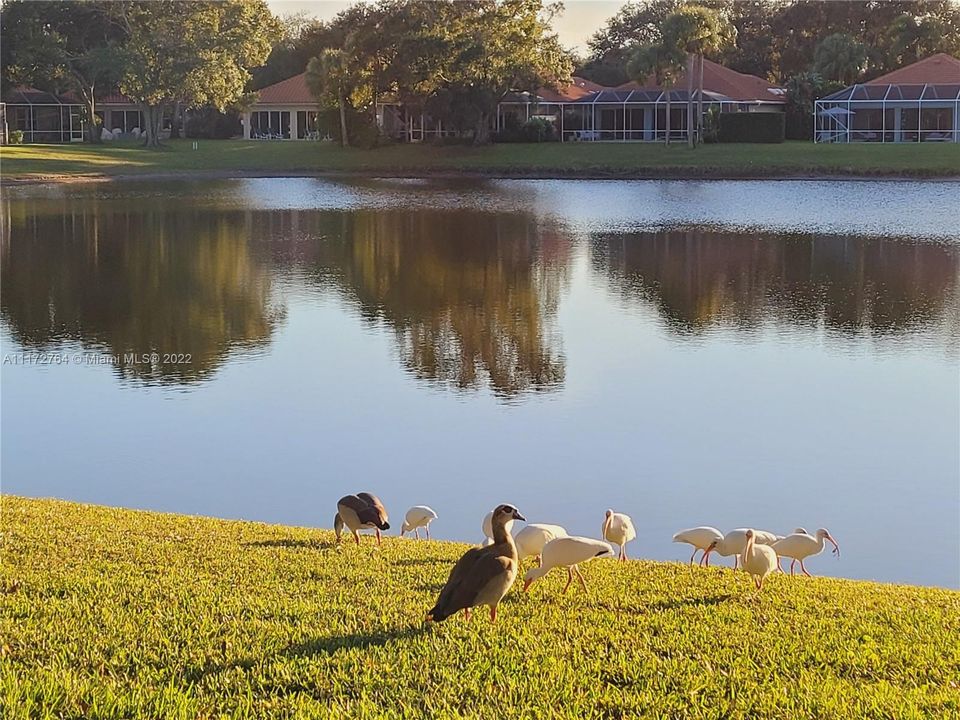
135,283
698,279
471,297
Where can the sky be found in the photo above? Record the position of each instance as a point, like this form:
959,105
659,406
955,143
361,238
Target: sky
580,18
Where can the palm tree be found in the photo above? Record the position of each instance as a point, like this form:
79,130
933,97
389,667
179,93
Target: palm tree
840,57
910,37
664,63
696,31
327,79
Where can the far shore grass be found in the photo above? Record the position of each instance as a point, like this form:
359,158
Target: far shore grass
113,613
226,158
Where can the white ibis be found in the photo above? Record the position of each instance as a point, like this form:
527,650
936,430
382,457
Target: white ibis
533,537
487,527
735,541
567,552
700,538
358,512
419,516
618,529
758,560
483,575
799,546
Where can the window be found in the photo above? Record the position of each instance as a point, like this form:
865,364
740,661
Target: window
270,125
308,124
125,120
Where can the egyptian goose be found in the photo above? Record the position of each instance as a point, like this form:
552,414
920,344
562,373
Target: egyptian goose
483,575
359,512
487,527
700,538
799,546
735,541
618,529
567,552
533,537
758,560
419,516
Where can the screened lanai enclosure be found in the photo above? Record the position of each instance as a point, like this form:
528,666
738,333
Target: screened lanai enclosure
897,113
615,114
43,117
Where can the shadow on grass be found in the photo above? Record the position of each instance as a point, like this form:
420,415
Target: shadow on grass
688,602
196,674
360,641
658,606
290,543
422,561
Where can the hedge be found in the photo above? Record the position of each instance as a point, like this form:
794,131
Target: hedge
744,127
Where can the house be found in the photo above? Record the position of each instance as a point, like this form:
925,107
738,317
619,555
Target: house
42,117
45,117
916,103
283,111
118,112
581,110
586,111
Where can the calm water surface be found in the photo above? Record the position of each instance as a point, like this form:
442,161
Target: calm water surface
770,354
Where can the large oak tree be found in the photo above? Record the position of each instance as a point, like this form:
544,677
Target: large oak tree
63,47
192,53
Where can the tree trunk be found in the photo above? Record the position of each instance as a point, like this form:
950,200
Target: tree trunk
175,123
691,72
90,107
481,131
152,120
93,131
668,114
700,101
344,140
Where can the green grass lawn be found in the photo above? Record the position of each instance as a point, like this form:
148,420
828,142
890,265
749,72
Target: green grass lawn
548,159
110,613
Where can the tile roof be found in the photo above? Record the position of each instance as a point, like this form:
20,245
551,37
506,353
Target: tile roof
576,89
292,91
24,95
939,69
114,98
721,80
718,81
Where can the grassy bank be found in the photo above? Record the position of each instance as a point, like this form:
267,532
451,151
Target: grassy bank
108,613
226,157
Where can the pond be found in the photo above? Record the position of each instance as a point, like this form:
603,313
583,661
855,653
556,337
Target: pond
766,354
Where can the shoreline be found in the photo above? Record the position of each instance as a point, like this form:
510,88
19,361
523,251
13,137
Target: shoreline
445,542
676,174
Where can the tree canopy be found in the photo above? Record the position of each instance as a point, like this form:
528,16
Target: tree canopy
60,46
458,58
158,52
776,39
196,53
840,57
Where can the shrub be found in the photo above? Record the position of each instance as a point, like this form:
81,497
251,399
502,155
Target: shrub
534,130
765,127
16,137
209,123
711,121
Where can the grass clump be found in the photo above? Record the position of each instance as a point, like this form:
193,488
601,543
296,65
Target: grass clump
615,160
110,613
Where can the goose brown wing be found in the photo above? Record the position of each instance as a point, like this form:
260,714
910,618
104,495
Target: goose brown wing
376,512
467,580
